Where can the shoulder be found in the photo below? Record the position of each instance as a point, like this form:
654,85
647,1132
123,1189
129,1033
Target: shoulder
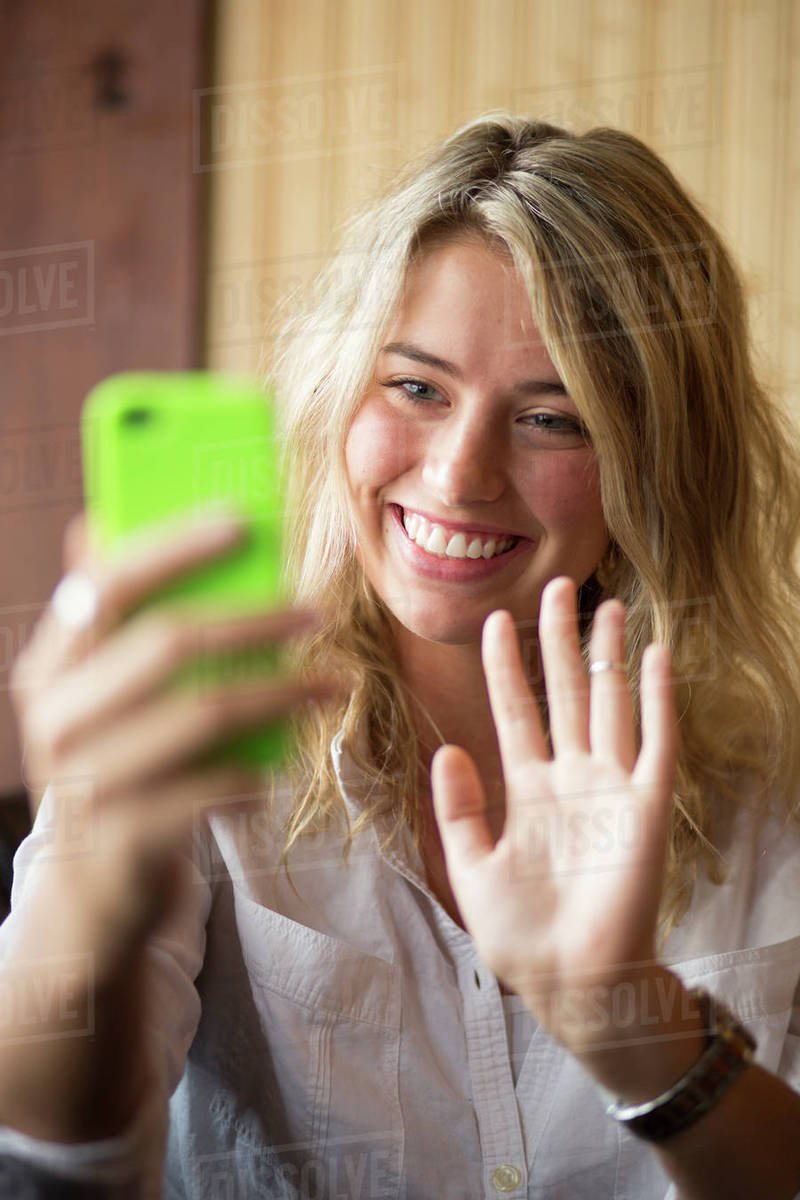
740,938
757,901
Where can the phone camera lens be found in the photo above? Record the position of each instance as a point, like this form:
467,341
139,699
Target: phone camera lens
137,416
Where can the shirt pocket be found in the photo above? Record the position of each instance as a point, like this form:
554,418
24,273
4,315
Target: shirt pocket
331,1016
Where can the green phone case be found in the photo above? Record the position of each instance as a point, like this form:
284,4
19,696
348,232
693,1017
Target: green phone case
157,444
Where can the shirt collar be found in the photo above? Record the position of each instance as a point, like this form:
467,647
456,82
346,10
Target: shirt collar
350,778
356,793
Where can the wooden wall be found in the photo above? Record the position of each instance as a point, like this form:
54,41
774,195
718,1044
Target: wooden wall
317,101
100,258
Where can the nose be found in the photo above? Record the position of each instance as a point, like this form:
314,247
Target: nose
464,461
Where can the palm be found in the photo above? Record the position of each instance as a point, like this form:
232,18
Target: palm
570,890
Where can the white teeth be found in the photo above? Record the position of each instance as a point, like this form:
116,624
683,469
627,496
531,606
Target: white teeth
457,546
435,542
434,539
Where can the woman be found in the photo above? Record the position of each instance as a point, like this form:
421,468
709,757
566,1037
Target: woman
457,954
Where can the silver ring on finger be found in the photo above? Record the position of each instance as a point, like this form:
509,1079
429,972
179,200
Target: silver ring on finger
606,664
76,601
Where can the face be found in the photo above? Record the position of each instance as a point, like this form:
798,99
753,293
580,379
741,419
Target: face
467,426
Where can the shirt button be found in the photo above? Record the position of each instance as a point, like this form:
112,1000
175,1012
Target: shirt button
506,1178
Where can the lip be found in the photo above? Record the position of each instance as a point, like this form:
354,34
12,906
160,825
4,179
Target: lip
460,526
451,570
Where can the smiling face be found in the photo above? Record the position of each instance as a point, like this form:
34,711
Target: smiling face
466,424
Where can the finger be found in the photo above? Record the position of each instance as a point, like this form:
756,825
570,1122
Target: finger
144,563
175,805
154,556
135,662
656,766
611,725
514,707
166,733
172,803
459,804
565,674
126,852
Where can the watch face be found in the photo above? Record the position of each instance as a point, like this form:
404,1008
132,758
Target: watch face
721,1021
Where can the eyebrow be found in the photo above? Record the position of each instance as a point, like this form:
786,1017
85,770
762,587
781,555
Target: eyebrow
530,387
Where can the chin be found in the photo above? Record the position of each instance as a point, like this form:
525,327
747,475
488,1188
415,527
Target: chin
440,627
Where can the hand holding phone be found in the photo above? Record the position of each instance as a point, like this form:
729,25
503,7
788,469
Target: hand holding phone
120,752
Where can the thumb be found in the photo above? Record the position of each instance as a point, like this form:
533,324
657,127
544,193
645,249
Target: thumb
459,803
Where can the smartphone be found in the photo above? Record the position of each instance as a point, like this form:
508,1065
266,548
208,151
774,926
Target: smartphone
159,444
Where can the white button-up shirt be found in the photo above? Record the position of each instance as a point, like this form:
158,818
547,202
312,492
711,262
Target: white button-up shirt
335,1035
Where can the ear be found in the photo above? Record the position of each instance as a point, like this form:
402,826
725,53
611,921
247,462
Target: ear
604,571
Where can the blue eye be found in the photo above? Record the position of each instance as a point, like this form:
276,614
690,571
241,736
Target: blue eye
418,395
555,424
550,430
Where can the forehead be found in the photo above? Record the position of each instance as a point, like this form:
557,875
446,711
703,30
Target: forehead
465,301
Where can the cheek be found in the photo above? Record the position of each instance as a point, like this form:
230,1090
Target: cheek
375,451
565,491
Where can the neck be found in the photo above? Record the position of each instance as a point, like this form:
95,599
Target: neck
450,705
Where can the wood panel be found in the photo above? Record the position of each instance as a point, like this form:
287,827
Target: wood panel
100,255
712,85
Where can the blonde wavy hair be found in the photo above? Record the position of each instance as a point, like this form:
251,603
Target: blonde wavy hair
642,313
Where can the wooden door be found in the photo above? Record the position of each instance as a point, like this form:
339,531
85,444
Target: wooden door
101,265
101,216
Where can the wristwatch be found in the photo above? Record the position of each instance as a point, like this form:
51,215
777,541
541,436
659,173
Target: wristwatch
729,1051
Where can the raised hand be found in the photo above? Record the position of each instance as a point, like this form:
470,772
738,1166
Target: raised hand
566,901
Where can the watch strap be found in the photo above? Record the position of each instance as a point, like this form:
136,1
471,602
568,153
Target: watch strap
728,1053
